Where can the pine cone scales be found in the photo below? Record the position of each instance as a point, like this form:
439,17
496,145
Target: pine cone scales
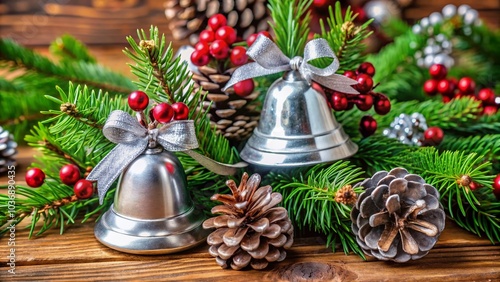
189,17
398,217
250,230
8,150
233,116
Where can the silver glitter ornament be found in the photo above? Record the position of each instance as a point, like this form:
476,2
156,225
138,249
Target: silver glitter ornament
381,10
8,150
152,211
296,128
408,129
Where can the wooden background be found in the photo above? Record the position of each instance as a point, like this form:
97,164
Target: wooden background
38,22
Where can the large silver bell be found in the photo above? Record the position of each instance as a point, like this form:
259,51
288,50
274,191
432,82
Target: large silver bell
296,128
152,211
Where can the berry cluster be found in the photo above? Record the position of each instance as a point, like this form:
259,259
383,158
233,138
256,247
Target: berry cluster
451,88
162,112
69,175
364,101
216,44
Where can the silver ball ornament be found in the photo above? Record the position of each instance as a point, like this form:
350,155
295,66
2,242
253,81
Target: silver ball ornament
435,18
470,17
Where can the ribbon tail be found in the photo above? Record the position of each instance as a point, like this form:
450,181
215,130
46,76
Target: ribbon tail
337,82
111,166
250,70
214,166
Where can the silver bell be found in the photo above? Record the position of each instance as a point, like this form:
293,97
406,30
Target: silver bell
296,128
152,211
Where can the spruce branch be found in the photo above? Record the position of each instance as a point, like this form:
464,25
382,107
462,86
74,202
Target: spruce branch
291,19
68,48
19,57
311,196
344,37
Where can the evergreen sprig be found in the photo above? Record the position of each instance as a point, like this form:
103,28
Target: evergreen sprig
451,173
37,75
291,19
309,196
67,48
71,134
344,37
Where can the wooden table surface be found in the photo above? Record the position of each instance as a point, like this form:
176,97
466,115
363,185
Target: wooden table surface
77,255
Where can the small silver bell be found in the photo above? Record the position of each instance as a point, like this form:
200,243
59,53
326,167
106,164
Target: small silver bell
296,128
152,211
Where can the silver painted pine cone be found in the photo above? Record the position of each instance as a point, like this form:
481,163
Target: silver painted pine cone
250,230
398,217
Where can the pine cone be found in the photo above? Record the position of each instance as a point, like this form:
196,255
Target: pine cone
189,17
251,230
233,116
398,217
8,150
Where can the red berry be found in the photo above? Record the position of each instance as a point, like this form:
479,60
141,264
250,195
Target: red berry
34,177
367,68
244,87
351,74
181,111
203,47
219,49
83,189
226,33
339,101
466,85
382,104
430,87
446,87
487,96
138,100
496,186
474,186
320,3
433,135
238,56
367,126
251,39
217,21
490,110
163,112
365,83
69,174
207,36
438,71
199,58
364,102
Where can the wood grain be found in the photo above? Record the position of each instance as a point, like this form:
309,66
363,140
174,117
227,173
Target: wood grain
76,255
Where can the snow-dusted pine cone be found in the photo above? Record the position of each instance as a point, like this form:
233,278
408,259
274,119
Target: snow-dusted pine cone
189,17
8,150
251,230
398,217
233,116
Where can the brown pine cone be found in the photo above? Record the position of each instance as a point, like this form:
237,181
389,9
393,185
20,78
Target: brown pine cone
189,17
233,116
250,230
398,217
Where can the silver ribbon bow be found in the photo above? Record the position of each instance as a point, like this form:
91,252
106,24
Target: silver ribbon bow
133,139
269,60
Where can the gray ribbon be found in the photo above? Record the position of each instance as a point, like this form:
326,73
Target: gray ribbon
270,60
133,139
